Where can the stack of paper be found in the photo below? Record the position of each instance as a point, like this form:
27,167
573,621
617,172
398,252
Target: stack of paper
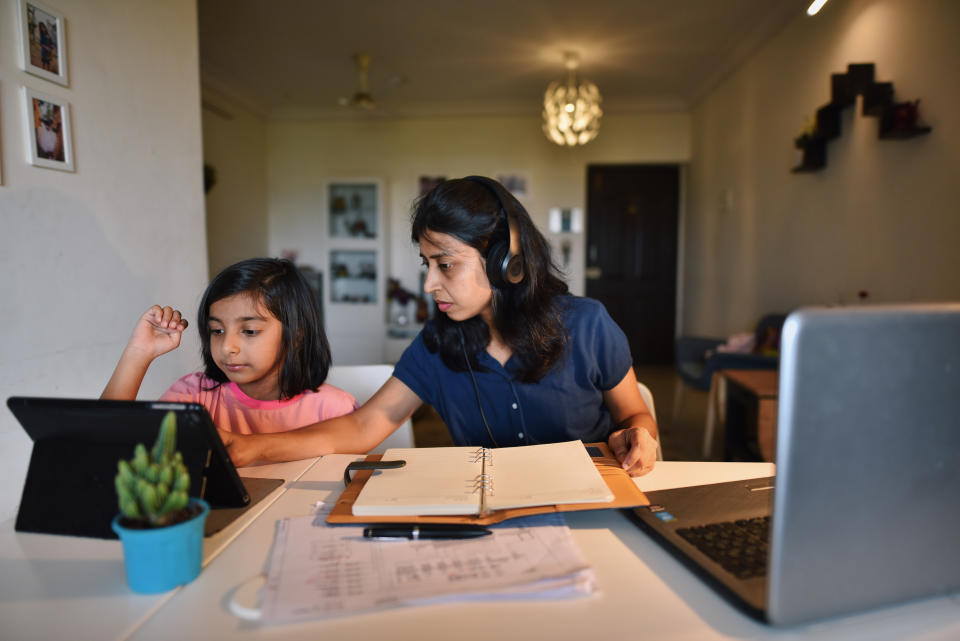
319,571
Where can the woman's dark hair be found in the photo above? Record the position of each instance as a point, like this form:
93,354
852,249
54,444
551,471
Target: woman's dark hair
279,286
526,314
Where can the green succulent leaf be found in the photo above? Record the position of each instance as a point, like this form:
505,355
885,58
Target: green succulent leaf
154,486
129,507
140,461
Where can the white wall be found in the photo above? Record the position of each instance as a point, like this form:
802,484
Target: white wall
302,156
883,216
84,253
235,145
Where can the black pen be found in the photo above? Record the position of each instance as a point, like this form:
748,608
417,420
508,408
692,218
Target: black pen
388,532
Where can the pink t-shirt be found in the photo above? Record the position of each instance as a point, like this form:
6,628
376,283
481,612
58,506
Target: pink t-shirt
234,411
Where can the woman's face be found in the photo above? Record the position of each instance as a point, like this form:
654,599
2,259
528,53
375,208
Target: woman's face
456,277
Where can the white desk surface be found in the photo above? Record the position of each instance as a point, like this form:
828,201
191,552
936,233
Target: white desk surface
63,587
643,591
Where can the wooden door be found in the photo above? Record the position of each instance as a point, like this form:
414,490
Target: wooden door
632,214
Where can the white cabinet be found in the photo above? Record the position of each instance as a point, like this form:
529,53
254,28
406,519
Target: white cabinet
354,302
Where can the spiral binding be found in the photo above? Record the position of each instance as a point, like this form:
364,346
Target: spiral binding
483,454
483,483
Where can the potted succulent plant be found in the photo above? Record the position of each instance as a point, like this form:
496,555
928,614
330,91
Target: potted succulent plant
160,526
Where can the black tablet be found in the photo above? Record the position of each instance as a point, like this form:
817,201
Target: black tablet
76,445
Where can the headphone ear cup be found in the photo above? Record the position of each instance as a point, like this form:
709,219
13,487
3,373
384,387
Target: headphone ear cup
498,259
513,270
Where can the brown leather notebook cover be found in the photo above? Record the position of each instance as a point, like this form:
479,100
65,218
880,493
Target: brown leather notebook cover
625,491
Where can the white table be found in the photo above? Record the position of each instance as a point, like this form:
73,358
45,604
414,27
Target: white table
643,591
63,587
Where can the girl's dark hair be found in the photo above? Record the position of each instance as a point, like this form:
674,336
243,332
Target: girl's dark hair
279,286
527,314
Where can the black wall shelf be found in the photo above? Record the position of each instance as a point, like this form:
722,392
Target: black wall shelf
896,120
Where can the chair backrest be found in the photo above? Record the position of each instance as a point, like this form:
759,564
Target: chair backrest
648,399
363,381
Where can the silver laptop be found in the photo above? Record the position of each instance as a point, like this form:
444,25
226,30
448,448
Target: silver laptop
864,510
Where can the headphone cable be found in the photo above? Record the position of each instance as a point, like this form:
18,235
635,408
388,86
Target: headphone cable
476,388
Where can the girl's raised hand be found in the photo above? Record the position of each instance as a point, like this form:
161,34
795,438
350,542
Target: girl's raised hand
158,331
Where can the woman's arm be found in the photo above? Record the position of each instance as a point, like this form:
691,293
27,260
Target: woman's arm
157,332
354,433
635,443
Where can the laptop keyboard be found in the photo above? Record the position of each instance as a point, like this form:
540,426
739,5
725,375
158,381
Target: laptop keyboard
739,546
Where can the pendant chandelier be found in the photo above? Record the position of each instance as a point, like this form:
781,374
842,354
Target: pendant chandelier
571,110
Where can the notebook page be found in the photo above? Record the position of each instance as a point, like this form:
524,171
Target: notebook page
545,474
435,481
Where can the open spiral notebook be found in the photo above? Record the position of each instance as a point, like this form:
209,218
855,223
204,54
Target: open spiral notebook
483,486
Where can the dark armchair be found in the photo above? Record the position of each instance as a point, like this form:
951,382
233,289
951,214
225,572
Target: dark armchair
698,360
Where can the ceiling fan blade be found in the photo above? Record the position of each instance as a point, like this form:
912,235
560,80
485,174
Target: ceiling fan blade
361,99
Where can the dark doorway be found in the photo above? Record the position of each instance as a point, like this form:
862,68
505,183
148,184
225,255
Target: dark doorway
632,213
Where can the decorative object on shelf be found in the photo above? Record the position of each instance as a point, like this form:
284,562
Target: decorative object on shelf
399,298
397,292
48,131
571,109
43,42
160,526
353,276
352,208
896,119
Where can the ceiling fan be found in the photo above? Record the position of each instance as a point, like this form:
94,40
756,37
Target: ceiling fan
361,99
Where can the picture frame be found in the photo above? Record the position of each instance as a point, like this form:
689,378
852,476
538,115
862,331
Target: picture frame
47,131
516,183
43,41
427,183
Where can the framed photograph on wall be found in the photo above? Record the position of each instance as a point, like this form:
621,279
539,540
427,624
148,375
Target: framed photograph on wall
48,134
43,41
427,183
516,183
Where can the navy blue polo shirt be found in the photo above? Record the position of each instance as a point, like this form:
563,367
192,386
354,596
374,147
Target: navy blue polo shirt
566,404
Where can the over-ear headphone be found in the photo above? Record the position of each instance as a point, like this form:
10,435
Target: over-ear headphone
504,259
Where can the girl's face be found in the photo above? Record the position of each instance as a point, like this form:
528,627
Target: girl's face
245,341
456,277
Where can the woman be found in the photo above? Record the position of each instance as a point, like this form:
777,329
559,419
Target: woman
510,359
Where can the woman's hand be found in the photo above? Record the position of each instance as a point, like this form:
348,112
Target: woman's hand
244,449
635,449
157,332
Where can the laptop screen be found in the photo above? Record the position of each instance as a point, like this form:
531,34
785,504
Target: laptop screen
868,459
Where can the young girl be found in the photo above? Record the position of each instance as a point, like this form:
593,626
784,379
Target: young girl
264,351
510,358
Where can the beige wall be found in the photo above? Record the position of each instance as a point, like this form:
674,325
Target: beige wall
304,155
883,216
85,253
235,145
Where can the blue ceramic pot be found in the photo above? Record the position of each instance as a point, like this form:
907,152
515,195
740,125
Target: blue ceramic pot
160,559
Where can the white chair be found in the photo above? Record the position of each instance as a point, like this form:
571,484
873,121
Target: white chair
363,381
648,399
